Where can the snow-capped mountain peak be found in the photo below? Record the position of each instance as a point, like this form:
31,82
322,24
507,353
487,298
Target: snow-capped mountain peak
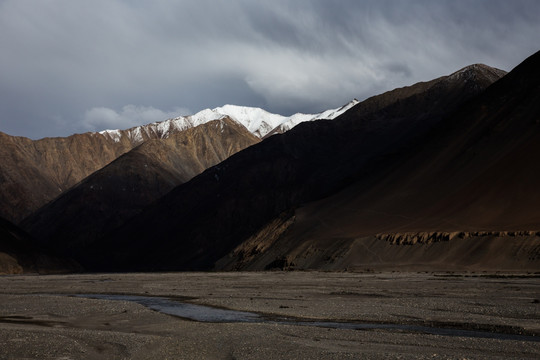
258,121
261,122
299,117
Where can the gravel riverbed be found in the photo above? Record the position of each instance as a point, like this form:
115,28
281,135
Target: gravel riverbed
41,319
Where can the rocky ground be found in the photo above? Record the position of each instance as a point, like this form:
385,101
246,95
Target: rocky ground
39,321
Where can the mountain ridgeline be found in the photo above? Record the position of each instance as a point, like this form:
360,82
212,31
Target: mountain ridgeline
206,219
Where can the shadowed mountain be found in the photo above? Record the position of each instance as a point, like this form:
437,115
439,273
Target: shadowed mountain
464,197
108,197
19,253
201,221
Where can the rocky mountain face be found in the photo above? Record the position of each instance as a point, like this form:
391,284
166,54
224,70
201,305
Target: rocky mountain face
201,221
120,190
34,172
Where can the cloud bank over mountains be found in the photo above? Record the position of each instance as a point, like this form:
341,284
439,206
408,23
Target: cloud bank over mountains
129,116
72,66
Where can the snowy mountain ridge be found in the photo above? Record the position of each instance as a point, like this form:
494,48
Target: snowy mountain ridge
258,121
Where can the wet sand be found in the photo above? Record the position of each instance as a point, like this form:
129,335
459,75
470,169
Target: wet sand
38,320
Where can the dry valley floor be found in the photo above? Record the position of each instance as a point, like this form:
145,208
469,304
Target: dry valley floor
410,316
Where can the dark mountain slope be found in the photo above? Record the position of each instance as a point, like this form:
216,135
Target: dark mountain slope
19,253
108,197
201,221
467,195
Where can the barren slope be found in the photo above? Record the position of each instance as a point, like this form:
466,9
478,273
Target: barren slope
34,172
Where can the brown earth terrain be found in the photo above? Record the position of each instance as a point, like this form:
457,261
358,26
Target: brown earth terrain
34,172
419,251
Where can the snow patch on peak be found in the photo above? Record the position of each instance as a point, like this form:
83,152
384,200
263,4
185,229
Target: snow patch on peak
330,114
115,135
262,123
258,121
334,113
204,116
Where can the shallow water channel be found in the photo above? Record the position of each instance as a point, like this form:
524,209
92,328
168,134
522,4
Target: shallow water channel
210,314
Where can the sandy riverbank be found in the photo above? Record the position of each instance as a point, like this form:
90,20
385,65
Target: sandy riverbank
37,320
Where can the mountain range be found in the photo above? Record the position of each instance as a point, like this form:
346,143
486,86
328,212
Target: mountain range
110,175
437,175
34,172
228,204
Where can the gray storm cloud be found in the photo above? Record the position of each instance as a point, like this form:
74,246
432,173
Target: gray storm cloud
72,66
128,116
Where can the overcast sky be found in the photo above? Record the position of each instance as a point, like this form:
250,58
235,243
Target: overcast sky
70,66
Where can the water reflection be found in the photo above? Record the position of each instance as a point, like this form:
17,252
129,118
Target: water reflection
183,310
215,315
